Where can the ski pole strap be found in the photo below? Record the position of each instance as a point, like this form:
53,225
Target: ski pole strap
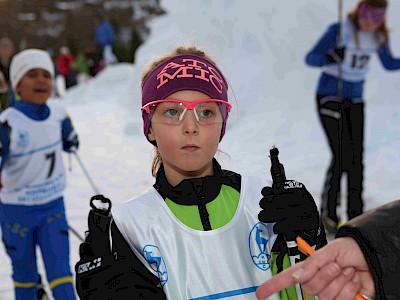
292,248
103,200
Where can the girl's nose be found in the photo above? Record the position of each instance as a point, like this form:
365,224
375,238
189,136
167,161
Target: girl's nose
190,125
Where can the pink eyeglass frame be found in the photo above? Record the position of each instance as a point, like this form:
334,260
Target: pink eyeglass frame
188,104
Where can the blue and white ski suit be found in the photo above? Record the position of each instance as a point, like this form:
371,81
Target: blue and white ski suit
32,209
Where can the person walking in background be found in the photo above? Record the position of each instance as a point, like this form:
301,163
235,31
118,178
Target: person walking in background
82,66
364,258
33,134
343,53
66,67
94,60
195,233
6,54
4,88
105,37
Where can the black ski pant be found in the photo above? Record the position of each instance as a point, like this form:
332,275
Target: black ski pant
343,123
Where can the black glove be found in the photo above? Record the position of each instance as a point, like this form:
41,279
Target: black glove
336,55
108,269
72,143
5,132
293,209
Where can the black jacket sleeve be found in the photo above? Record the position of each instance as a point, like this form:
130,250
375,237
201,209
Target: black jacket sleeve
113,273
377,232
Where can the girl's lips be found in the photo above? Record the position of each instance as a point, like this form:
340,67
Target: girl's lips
190,148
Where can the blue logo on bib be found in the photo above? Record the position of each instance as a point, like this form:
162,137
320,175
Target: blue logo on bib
258,246
23,138
153,255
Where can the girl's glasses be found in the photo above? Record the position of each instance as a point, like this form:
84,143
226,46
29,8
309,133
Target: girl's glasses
172,111
371,14
371,18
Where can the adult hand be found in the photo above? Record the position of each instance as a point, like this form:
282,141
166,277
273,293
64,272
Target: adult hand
336,271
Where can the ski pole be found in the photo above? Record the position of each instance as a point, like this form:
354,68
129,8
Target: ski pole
96,191
293,242
75,233
340,44
278,176
340,92
307,249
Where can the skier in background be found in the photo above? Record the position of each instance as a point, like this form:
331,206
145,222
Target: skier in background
343,53
66,67
6,54
82,66
33,134
105,37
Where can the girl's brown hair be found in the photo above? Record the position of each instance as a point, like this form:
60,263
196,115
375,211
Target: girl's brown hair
157,160
382,33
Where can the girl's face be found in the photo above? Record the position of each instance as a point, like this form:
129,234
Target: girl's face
186,149
368,26
35,86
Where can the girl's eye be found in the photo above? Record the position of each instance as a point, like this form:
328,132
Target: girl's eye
35,73
172,112
206,113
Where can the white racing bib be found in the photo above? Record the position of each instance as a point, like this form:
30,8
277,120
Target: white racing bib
226,263
355,64
34,173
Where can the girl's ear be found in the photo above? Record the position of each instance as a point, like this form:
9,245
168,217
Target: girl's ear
151,136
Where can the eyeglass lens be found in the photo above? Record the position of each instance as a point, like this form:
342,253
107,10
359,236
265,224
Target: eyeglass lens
174,112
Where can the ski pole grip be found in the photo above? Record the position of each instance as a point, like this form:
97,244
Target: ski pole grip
277,170
278,178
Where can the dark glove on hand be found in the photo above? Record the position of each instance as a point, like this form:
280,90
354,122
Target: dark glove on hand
5,132
72,143
336,55
293,210
117,273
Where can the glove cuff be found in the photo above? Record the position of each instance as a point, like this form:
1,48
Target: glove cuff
315,238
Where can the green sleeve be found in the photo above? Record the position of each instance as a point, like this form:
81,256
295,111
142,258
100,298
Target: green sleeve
290,292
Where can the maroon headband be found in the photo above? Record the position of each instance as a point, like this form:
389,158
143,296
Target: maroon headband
371,13
183,72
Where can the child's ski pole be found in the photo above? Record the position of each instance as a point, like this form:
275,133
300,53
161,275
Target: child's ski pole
75,233
279,177
96,191
293,242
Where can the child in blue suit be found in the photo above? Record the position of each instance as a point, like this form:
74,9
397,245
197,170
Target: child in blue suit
33,134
